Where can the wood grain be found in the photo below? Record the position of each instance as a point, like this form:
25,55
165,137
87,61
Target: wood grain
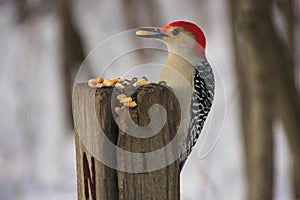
105,177
162,183
97,181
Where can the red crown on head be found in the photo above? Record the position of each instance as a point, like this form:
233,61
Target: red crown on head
193,29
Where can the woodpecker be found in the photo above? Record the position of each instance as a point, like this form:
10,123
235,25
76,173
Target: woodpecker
189,74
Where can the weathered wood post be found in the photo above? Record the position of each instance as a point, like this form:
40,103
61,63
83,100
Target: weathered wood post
136,167
94,179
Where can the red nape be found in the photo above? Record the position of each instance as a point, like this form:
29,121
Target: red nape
196,31
192,28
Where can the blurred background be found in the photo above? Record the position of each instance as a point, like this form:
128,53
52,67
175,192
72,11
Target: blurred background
254,46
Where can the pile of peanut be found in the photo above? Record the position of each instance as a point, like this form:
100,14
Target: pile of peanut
100,82
124,88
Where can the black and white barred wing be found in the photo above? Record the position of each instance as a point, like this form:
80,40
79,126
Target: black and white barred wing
202,99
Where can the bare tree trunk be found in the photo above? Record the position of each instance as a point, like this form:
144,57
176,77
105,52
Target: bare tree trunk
73,54
288,105
286,8
256,24
27,10
270,60
241,71
288,96
149,15
22,10
148,12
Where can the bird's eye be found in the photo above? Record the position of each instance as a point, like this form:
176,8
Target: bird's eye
175,32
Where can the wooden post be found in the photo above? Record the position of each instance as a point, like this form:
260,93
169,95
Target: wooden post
162,183
95,180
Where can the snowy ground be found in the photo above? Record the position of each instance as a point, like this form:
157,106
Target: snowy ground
36,148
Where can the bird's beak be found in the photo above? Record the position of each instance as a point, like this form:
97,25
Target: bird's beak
150,33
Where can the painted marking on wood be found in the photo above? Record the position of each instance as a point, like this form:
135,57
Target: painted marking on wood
89,178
